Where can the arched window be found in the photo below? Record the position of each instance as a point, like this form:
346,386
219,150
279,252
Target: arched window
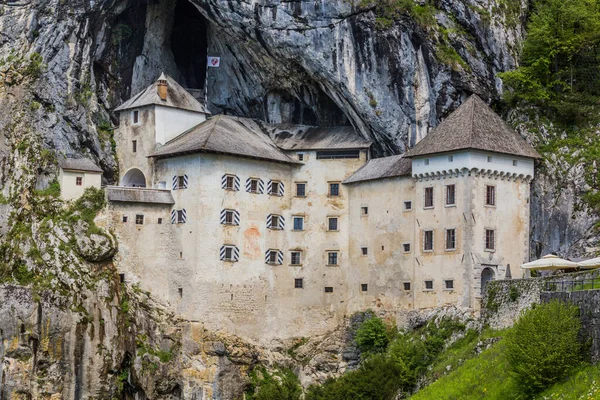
487,275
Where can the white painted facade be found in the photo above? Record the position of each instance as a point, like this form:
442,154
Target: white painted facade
171,122
73,183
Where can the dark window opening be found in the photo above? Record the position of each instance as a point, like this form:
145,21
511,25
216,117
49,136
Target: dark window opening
121,278
450,195
300,157
364,250
408,205
333,224
429,285
328,289
139,219
134,146
449,284
180,290
125,218
364,287
428,240
406,247
301,189
406,285
337,154
429,197
79,181
160,221
334,189
332,258
298,283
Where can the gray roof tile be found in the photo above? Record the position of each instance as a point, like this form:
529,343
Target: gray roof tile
380,168
177,97
79,164
473,125
301,137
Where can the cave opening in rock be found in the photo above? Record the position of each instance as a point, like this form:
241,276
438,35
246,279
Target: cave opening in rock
189,44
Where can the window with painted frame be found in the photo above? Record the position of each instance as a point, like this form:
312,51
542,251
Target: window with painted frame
334,189
333,224
296,257
298,223
332,258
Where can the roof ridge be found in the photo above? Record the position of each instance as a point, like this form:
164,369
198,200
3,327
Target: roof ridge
212,130
473,101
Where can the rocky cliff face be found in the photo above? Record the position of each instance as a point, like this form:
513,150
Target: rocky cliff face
65,330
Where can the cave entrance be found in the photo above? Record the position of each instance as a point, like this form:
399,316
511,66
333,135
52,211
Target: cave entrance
189,44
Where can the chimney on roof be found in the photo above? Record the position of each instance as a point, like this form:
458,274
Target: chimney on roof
162,87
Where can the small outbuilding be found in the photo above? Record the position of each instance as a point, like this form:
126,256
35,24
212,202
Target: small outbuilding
77,174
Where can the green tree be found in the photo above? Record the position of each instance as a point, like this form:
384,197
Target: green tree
543,345
372,336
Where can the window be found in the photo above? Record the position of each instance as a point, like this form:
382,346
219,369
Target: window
450,195
364,287
515,163
328,289
134,146
332,224
228,217
450,158
426,161
229,182
124,218
334,189
332,258
135,116
490,195
139,219
298,283
364,211
449,284
229,253
274,257
296,258
178,216
364,251
79,181
254,185
406,285
428,285
408,205
450,239
406,247
489,158
275,188
428,241
298,223
337,154
490,239
160,221
180,182
300,157
300,189
274,222
429,197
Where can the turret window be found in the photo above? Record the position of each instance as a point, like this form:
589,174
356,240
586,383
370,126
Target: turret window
134,146
135,116
428,197
450,195
490,195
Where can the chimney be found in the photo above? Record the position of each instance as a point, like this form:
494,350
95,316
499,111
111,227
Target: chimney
162,87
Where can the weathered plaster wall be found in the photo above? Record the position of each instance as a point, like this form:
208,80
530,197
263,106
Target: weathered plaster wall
68,185
171,122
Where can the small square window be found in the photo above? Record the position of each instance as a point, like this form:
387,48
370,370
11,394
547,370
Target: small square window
364,211
139,219
298,223
229,182
426,161
332,224
332,258
79,181
334,189
429,197
125,218
364,251
274,222
449,284
159,221
274,189
298,283
406,247
134,146
300,157
136,116
408,205
406,285
328,289
428,241
296,258
428,285
253,185
450,158
364,287
300,189
489,158
515,163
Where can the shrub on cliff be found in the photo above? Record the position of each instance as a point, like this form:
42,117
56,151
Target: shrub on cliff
543,346
372,336
282,384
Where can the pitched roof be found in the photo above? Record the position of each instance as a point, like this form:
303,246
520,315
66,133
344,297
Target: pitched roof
473,125
139,195
302,137
79,164
380,168
227,135
177,97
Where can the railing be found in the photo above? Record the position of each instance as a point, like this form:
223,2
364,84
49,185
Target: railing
573,286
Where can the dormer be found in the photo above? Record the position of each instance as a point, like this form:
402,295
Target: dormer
473,139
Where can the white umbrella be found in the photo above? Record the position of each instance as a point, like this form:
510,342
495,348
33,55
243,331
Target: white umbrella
592,263
549,262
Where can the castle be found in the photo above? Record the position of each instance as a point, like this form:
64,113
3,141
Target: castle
278,231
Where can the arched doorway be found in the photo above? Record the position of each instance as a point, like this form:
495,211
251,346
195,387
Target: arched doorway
134,178
487,275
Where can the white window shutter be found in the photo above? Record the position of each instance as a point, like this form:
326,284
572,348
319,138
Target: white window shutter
269,219
173,216
222,253
237,183
281,189
185,181
269,186
236,217
236,254
175,182
267,256
280,257
248,185
223,216
224,182
261,186
281,222
184,215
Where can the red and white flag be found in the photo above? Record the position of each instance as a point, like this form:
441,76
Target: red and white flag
214,62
